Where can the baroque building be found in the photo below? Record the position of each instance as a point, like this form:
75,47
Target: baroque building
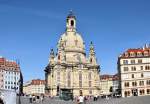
134,72
70,70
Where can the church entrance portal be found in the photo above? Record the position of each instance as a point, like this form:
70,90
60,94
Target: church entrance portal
66,94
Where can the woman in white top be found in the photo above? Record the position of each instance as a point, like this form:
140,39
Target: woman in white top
81,99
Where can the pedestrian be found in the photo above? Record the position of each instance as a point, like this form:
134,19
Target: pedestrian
81,99
42,98
96,97
34,98
30,98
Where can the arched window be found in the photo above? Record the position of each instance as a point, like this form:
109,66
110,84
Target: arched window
69,79
80,79
58,57
58,77
90,76
90,84
125,93
91,60
72,23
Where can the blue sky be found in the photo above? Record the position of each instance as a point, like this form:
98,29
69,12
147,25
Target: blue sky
30,28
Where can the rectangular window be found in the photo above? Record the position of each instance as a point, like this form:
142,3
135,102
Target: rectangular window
132,75
142,92
133,68
126,84
140,61
126,68
90,92
142,75
148,91
132,54
148,82
147,67
134,84
141,83
125,61
141,67
132,61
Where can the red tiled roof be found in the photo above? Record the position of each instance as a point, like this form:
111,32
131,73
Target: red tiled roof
109,77
104,77
135,51
7,63
116,77
37,82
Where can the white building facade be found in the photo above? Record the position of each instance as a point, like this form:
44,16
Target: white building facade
134,72
10,75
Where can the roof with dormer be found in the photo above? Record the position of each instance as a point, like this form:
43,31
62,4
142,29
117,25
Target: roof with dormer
136,52
8,65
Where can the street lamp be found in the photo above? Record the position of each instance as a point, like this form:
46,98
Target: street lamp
19,82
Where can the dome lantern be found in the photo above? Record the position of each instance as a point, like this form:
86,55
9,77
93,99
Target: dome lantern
71,22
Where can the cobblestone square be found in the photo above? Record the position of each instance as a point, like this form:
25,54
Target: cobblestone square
131,100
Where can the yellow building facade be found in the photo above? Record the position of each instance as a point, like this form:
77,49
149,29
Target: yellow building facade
70,70
34,87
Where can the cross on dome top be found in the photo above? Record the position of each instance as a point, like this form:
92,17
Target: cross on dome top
71,14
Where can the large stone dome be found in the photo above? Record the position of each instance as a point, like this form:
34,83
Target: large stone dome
72,42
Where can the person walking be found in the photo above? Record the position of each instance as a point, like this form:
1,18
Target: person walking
30,98
81,99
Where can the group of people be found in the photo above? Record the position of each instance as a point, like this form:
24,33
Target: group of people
83,99
36,98
80,99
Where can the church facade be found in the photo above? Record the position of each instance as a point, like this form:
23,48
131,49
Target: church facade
69,69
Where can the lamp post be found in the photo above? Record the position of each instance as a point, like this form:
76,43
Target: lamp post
19,82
